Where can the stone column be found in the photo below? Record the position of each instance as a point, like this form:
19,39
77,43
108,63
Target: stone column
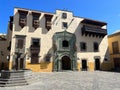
55,65
74,64
13,61
59,65
18,64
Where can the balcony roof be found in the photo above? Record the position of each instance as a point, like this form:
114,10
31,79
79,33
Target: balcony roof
93,22
114,34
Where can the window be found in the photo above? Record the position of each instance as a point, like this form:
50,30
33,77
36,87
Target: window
35,42
34,50
105,59
20,43
36,19
48,23
95,47
65,43
115,47
22,20
35,22
22,17
83,46
64,15
64,25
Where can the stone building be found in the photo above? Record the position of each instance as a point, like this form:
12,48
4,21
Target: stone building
3,61
114,50
46,42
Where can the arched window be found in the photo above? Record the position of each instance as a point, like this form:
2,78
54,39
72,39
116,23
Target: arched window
65,43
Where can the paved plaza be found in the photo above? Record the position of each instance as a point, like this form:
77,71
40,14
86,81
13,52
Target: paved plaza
85,80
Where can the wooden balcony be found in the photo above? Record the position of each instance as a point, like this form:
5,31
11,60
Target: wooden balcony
48,19
18,50
22,22
93,30
22,17
35,49
35,24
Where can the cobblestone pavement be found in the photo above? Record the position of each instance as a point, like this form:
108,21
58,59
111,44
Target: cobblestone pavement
85,80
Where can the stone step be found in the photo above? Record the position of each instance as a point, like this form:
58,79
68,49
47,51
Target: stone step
29,79
19,76
13,84
16,78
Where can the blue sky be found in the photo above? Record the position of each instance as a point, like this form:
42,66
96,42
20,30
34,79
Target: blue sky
103,10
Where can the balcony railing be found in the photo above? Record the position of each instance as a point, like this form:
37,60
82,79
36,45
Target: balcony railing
18,50
93,30
35,23
35,49
22,22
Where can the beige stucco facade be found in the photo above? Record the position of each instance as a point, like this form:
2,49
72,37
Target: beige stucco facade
114,38
46,43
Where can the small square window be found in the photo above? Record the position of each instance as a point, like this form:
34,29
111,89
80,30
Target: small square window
64,25
35,42
105,59
83,46
64,15
65,43
96,47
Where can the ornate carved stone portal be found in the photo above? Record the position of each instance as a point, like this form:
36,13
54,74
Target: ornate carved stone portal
64,46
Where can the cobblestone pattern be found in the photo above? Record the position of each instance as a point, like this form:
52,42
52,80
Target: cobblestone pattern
85,80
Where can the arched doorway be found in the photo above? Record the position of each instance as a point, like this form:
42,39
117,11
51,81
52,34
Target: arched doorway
66,63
